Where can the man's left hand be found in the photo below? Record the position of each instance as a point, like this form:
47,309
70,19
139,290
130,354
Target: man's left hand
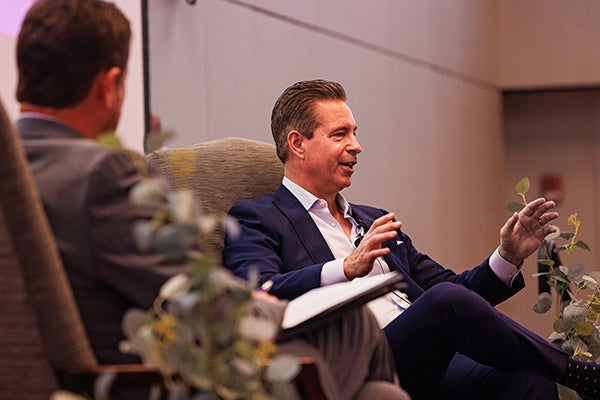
524,232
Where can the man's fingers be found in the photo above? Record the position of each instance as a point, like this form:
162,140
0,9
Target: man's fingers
383,220
385,223
537,208
510,224
531,207
547,217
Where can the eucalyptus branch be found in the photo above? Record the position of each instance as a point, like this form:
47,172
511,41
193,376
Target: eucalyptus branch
575,321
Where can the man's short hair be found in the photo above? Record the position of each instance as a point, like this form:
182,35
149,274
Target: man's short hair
294,110
63,45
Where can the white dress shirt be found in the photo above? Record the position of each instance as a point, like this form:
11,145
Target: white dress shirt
389,306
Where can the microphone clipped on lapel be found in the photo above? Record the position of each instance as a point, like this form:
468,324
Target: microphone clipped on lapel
360,231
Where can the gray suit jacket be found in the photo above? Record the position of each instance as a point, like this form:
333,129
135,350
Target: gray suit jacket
84,188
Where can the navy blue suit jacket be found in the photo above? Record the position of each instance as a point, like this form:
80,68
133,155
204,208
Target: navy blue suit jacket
280,239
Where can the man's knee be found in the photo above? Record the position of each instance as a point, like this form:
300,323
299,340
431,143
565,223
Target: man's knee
450,294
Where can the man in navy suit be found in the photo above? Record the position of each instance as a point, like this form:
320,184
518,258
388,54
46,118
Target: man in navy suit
450,343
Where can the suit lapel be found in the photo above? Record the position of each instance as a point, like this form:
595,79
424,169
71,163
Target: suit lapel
301,222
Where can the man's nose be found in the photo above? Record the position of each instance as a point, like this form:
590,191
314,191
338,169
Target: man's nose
354,145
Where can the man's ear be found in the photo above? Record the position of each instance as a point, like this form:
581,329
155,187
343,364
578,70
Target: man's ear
108,84
295,142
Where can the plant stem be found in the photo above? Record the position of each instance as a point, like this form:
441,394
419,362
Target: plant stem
558,307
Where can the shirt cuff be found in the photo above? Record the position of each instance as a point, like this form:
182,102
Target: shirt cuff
504,270
333,272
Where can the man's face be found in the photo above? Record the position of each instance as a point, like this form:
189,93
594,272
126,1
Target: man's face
332,152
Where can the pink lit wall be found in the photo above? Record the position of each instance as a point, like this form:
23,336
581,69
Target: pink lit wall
12,14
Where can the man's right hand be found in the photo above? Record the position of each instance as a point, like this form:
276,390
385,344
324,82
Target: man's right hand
360,262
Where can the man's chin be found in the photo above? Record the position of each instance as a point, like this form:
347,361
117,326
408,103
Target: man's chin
346,183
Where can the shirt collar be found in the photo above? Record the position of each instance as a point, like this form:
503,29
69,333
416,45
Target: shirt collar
37,115
308,199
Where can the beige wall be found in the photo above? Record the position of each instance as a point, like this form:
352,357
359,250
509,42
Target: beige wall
548,43
424,79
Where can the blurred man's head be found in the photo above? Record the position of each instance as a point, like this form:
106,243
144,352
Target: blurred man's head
65,47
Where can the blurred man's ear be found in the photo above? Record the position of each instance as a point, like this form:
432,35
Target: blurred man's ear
109,85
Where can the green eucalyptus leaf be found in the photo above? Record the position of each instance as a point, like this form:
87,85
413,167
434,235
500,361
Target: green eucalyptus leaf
594,348
155,141
515,206
109,139
558,249
283,368
589,281
538,274
595,275
257,328
522,187
556,337
576,273
584,328
244,367
567,235
140,343
183,207
134,319
578,344
574,313
582,245
177,284
560,278
561,325
544,303
546,261
147,193
172,242
563,269
143,235
596,337
567,347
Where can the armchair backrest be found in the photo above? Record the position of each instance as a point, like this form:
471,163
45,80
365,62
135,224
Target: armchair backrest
40,327
221,172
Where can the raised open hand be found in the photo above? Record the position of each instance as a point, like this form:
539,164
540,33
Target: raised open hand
523,233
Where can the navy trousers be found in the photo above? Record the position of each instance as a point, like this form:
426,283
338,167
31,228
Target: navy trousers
452,344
